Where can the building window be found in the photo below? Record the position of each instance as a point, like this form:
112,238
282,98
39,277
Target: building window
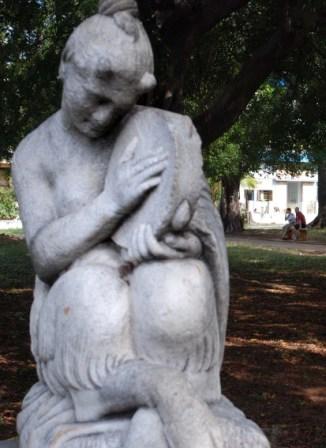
265,195
249,195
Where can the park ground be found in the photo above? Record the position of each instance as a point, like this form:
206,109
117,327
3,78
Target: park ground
275,360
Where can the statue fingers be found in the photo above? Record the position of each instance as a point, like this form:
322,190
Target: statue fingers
146,162
142,247
187,243
149,184
159,249
133,254
182,216
151,171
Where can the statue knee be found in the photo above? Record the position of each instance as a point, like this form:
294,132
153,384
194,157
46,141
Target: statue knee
176,296
89,297
84,327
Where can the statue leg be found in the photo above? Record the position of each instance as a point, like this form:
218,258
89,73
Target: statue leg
174,320
84,329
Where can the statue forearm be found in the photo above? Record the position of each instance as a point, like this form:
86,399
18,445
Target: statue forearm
59,243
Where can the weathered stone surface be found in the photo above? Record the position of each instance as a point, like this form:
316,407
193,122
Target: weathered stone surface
13,443
131,296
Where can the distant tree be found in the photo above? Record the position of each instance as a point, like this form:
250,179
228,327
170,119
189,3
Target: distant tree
257,140
211,58
32,35
322,193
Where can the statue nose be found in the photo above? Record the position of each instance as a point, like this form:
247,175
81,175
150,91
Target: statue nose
103,114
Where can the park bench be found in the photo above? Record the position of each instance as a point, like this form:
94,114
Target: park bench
303,233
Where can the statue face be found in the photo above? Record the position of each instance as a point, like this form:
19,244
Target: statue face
95,101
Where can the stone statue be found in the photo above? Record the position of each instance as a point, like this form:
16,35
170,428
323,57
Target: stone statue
131,295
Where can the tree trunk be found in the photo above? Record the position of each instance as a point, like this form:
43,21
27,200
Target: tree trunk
322,193
320,220
230,204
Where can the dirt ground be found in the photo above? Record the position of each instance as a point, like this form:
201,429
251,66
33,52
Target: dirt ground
274,367
275,361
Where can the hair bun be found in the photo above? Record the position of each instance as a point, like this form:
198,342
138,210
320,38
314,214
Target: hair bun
110,7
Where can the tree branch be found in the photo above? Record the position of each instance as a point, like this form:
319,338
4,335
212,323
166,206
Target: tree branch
195,21
225,111
177,25
180,19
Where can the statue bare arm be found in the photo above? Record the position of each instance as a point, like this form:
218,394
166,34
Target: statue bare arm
53,241
56,242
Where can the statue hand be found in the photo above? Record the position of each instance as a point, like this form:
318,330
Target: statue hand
187,243
133,180
145,246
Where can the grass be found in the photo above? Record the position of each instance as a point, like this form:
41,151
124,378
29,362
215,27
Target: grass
15,265
255,260
273,360
314,235
16,270
317,235
13,232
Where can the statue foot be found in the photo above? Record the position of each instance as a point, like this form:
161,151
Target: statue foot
186,420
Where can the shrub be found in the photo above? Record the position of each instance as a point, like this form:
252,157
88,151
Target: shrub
8,204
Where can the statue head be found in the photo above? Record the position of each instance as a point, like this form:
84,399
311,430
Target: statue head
106,65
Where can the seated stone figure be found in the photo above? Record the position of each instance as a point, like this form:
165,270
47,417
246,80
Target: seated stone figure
128,333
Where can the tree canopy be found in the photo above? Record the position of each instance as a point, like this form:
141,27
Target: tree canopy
211,56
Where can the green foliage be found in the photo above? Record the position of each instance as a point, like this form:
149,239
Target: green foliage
8,204
222,52
32,35
285,118
249,182
272,133
15,265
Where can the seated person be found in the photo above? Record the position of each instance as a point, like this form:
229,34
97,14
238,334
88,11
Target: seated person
287,229
300,219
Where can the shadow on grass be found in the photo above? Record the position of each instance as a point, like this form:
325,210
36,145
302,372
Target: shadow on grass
274,359
280,389
17,369
275,352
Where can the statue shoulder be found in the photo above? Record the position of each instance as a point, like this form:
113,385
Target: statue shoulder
34,148
151,127
151,115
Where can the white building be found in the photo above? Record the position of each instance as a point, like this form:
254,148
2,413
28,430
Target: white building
273,193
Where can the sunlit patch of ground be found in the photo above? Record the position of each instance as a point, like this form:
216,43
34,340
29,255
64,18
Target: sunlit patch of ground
280,344
275,351
275,358
316,394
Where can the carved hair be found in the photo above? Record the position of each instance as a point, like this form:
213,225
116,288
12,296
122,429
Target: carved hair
107,38
123,12
111,7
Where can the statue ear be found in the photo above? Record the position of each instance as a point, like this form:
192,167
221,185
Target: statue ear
65,58
147,83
